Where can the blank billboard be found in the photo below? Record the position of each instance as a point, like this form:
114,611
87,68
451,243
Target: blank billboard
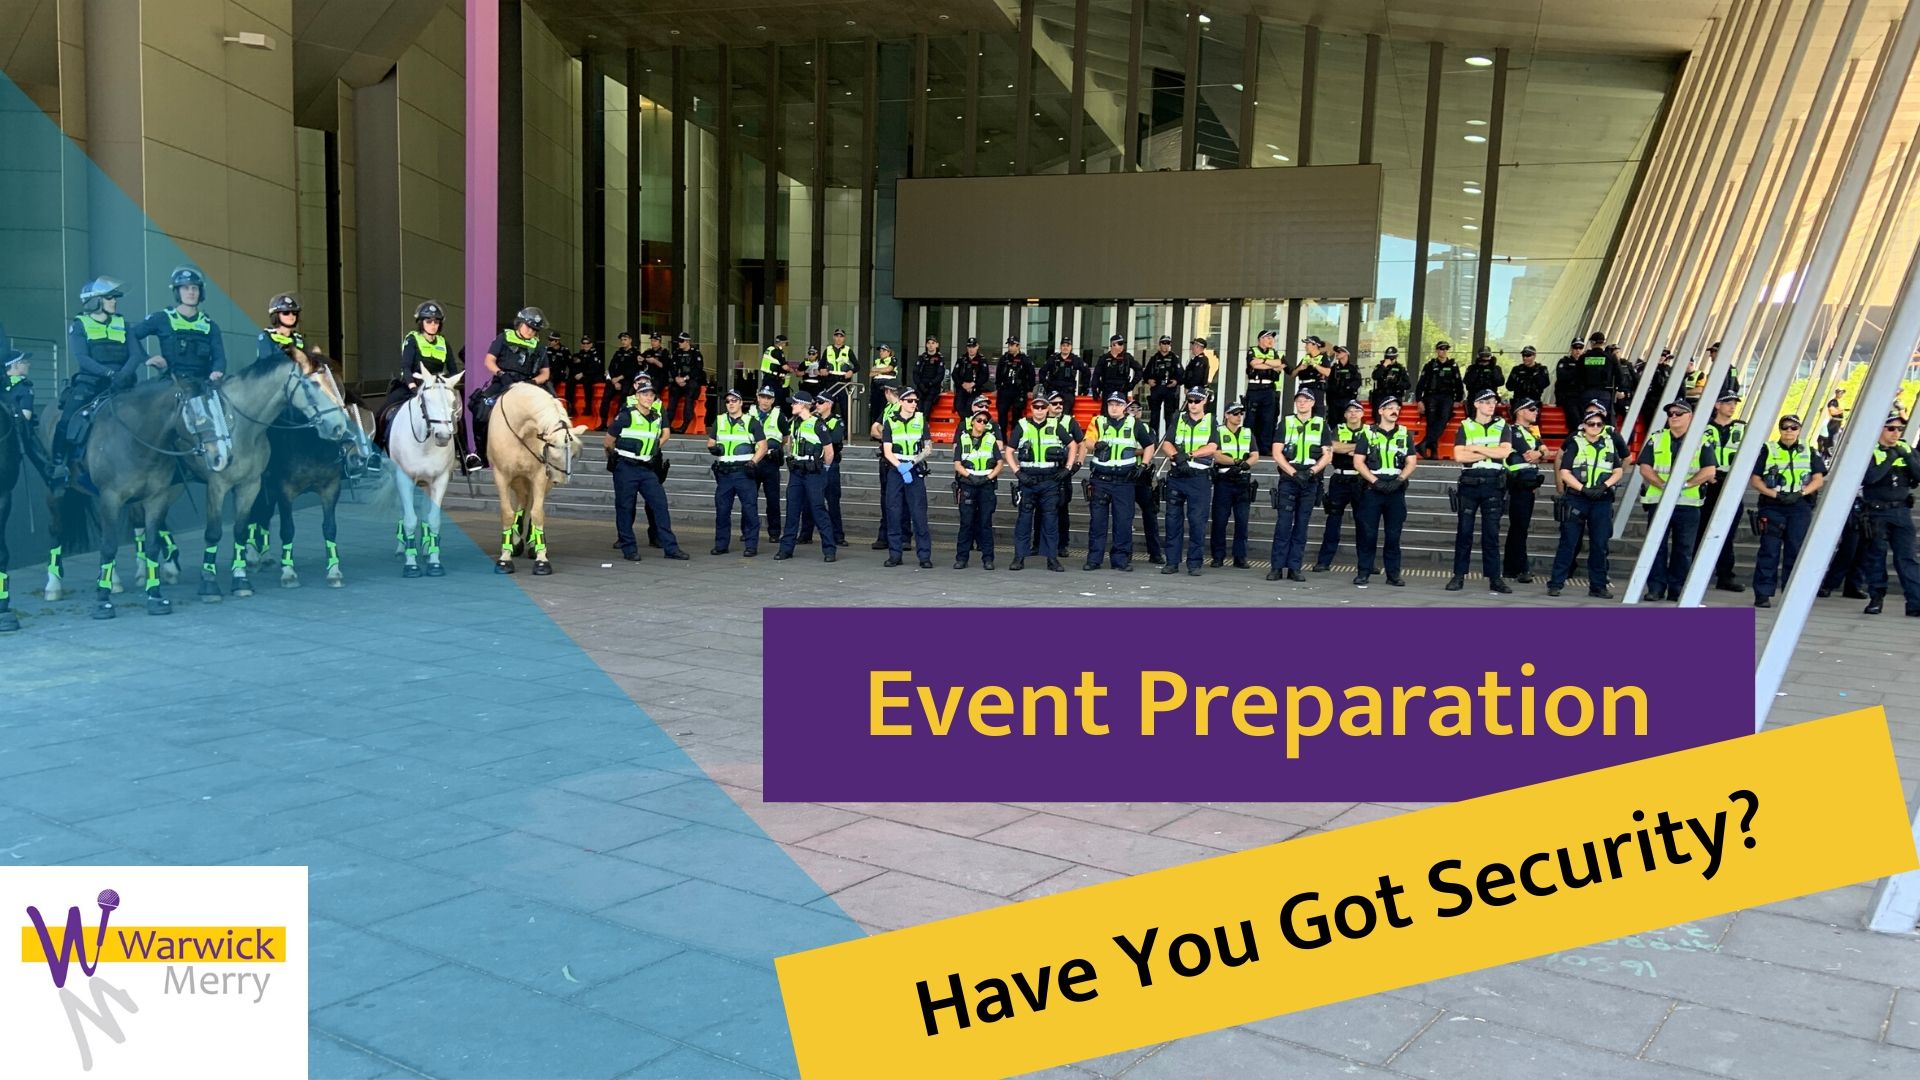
1217,233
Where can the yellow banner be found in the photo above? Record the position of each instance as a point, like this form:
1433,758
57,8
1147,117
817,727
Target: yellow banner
161,944
1368,908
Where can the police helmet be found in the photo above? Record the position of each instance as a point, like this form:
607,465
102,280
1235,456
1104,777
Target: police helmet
535,319
183,276
429,309
95,292
284,304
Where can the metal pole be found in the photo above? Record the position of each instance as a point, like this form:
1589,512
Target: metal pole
1757,279
1875,268
1786,353
1828,359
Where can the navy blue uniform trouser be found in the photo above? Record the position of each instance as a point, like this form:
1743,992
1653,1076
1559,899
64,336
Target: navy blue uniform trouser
1520,503
766,477
1148,500
1034,529
1484,501
1232,502
1674,556
1890,531
1062,529
1163,409
977,503
907,509
806,494
1782,530
1012,407
729,487
632,483
1189,495
1343,494
1591,520
1110,521
1263,411
1849,558
886,507
1435,414
833,509
1723,562
1377,509
1292,516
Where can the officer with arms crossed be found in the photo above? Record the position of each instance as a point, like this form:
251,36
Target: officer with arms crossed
1191,443
1789,472
1386,461
1303,449
1122,447
1483,445
1591,468
1265,368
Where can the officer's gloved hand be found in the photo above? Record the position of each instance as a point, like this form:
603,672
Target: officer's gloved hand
906,471
1788,498
714,449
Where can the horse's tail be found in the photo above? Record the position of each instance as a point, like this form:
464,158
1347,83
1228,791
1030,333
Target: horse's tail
72,526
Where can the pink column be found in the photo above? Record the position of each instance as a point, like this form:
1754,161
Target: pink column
483,185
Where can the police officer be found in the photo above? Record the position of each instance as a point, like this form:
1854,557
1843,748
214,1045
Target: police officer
1597,372
1829,436
1527,468
813,374
1483,445
1344,487
930,374
766,472
622,366
1483,374
1656,387
1013,379
636,442
1265,369
190,345
423,354
1591,469
1886,494
560,363
281,337
1303,449
884,376
1390,380
1566,387
1343,379
833,429
1674,554
653,359
1386,461
888,411
16,393
738,443
1117,371
905,446
1191,443
976,471
687,376
1723,438
1063,373
1530,379
1122,448
97,339
1313,370
590,375
1037,452
1789,473
808,451
1440,389
1162,376
515,356
1146,496
971,375
1076,438
1233,486
1696,383
1198,375
774,370
842,367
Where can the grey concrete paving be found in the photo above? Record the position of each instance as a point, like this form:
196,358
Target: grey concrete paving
1793,990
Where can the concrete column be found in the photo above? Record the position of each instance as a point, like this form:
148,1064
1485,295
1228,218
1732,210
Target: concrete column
376,130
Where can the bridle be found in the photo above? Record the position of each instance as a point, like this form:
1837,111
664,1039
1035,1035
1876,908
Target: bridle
426,419
316,405
564,470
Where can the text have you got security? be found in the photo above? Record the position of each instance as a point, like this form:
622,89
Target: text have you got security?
1305,710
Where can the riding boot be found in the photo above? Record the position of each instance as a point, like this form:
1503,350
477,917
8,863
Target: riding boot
55,477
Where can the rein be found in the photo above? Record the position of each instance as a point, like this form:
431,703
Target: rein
565,468
112,406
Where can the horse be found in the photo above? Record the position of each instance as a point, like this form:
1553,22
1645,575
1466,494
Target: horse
141,439
13,428
530,429
300,461
420,441
256,396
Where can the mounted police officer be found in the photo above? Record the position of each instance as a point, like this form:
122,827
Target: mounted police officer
1303,449
1527,468
1233,487
1790,473
1390,380
976,470
1013,379
1886,495
190,345
1122,447
1673,555
1189,486
738,443
1591,469
98,339
808,452
515,356
905,445
1440,389
1343,484
282,332
1038,452
1483,445
1265,369
1386,461
637,440
423,355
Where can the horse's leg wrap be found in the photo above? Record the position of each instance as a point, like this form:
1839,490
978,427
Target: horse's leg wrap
333,555
168,548
106,577
539,539
286,556
210,562
153,576
53,563
430,541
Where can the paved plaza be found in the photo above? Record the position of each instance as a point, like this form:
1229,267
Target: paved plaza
531,808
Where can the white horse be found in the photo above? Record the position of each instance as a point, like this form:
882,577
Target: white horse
420,440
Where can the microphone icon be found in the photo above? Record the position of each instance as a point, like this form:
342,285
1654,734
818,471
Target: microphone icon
108,901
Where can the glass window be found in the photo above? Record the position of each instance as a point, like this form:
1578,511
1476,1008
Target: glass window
793,259
995,111
702,295
1339,88
614,108
748,278
1276,112
1460,172
946,106
1399,121
895,96
1052,73
1163,85
656,196
1104,128
846,86
1222,86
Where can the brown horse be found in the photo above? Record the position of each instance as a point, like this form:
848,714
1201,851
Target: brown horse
532,448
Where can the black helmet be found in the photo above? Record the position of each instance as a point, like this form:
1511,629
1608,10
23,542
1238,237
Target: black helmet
186,275
429,309
535,319
284,304
98,290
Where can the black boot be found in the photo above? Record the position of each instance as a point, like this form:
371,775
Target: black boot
1875,604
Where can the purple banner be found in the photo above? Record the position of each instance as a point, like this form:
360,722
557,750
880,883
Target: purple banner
1192,704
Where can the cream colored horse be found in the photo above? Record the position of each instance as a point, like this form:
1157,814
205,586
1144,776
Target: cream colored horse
532,448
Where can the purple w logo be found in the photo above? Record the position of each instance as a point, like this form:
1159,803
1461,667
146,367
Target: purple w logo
74,940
